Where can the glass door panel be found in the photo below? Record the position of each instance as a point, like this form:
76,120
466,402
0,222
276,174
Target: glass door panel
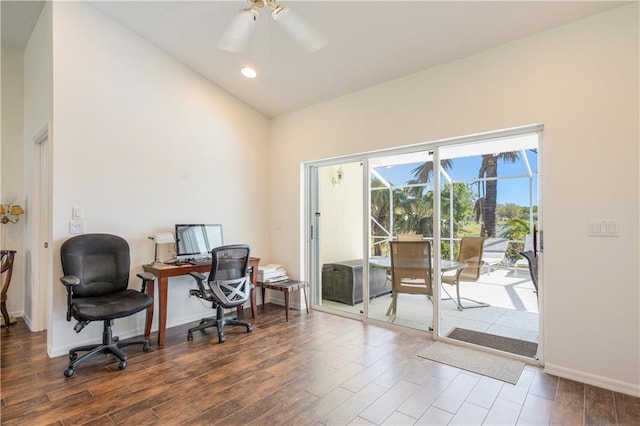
489,189
339,237
401,208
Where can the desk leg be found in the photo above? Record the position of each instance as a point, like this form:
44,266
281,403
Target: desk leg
254,281
7,266
163,287
254,308
5,313
286,305
151,289
306,301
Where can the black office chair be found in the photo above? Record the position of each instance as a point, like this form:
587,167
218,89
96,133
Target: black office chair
532,259
96,276
228,286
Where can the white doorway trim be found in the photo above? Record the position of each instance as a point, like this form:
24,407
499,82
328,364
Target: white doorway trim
41,265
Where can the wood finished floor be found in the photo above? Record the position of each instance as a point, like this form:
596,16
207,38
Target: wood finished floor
315,370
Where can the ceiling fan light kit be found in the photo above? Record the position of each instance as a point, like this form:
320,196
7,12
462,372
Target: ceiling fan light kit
237,35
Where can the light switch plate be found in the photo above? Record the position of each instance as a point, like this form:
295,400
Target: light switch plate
603,228
77,213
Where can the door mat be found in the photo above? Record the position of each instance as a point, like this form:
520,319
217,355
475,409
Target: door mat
505,344
490,365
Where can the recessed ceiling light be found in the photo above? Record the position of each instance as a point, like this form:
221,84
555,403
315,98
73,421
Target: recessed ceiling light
248,72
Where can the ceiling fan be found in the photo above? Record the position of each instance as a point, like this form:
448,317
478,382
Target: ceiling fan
237,35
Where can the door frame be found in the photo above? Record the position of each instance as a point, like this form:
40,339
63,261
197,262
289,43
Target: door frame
42,264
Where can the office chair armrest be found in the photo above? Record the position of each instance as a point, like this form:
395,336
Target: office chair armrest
200,280
146,277
69,282
198,275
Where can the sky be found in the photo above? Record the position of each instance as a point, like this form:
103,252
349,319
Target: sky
509,190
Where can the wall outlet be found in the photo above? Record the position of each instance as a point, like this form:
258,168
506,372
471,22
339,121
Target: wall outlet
77,226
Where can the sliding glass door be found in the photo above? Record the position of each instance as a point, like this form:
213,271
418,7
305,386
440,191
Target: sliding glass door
489,189
338,237
484,188
401,207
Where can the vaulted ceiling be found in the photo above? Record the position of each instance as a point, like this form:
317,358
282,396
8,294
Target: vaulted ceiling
369,42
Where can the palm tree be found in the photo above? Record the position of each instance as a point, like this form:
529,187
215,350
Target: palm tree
379,213
486,205
423,173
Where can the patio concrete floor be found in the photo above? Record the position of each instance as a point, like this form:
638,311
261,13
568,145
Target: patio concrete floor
513,311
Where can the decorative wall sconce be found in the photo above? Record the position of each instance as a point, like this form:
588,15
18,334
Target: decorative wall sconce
10,214
337,177
161,238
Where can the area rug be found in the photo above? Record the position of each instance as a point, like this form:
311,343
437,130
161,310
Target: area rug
490,365
505,344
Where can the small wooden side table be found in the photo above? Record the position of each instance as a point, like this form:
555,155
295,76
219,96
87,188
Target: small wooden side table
286,286
6,265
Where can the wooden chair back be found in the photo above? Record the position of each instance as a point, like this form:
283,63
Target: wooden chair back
471,254
411,267
409,237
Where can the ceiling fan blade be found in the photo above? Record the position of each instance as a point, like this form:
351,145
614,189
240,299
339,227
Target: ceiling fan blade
310,39
237,35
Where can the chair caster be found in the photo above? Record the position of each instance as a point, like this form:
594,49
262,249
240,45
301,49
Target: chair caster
146,348
122,365
189,337
69,372
221,339
249,329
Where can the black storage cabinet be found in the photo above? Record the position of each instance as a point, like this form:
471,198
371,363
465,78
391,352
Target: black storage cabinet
342,281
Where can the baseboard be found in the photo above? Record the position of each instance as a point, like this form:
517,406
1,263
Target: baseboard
126,334
27,320
277,298
592,379
64,350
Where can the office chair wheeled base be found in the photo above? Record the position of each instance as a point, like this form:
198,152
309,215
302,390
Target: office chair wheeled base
219,322
109,345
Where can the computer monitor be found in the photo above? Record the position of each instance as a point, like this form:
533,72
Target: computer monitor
197,240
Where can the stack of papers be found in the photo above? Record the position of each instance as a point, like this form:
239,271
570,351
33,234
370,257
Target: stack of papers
272,273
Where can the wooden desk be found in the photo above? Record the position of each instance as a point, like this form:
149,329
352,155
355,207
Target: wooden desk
164,272
287,287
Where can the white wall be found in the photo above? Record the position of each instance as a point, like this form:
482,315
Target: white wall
341,213
11,166
579,80
141,143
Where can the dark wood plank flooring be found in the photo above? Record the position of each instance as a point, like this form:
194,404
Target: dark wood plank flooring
317,369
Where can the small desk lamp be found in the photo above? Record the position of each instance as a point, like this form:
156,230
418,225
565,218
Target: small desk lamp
161,238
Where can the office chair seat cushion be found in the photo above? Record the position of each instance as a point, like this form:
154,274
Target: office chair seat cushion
110,306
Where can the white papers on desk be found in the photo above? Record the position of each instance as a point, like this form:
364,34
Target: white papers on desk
276,279
271,267
271,273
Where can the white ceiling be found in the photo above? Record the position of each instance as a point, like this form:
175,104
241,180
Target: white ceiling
370,42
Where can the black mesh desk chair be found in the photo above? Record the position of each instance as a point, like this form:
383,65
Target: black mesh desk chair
228,286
